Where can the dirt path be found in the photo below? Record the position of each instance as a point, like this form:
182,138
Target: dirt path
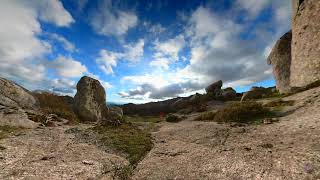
51,153
288,149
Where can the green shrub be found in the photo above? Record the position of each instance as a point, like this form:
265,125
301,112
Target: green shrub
244,112
173,118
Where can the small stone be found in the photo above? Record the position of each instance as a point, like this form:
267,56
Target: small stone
87,162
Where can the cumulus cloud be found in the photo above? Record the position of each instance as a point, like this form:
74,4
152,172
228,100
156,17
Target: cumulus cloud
170,48
67,45
21,50
218,50
68,67
108,19
107,60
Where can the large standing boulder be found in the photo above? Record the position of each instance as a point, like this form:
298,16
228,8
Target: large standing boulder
13,95
280,59
90,100
305,64
215,88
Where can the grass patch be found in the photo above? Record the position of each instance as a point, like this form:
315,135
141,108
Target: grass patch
59,105
5,131
246,112
207,116
148,119
279,103
126,138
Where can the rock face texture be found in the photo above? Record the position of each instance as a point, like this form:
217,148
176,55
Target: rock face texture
13,95
214,88
305,64
90,100
280,59
257,92
15,101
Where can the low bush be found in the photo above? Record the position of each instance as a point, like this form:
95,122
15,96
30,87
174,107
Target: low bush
207,116
244,112
59,105
173,118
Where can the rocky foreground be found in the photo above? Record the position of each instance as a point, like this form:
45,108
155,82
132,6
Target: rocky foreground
189,149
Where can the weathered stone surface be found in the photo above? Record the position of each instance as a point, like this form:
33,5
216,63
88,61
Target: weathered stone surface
229,93
214,88
114,115
15,116
305,64
90,100
13,95
257,92
280,59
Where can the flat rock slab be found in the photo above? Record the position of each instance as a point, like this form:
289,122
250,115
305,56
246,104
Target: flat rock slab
50,153
288,149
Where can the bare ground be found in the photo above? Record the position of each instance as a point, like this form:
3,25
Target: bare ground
288,149
50,153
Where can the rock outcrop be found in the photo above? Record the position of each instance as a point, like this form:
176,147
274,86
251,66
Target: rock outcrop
13,95
15,102
90,100
214,88
280,59
228,94
258,92
305,64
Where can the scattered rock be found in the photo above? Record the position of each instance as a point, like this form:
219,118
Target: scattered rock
87,162
90,100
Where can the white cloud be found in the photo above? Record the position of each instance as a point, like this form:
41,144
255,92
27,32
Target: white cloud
51,11
67,45
170,48
107,60
253,6
218,50
68,67
21,50
110,20
133,52
161,63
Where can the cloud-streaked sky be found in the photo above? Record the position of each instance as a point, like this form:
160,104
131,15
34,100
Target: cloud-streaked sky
140,50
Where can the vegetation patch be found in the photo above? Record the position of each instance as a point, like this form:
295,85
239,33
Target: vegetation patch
279,103
126,138
59,105
245,112
6,131
173,118
207,116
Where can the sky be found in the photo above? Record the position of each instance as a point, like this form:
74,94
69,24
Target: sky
140,50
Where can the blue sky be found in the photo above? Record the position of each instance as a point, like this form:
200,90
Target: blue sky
140,51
